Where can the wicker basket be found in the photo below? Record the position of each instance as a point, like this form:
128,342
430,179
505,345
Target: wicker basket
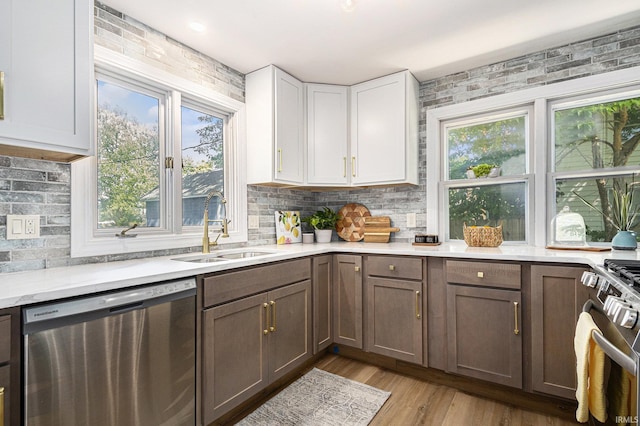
482,236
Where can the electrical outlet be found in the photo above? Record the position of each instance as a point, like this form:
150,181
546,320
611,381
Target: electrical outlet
22,227
254,222
411,220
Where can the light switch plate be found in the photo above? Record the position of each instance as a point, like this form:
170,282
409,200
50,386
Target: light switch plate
411,220
254,222
22,227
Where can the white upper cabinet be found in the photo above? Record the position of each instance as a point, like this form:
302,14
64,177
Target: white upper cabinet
46,59
384,130
275,127
327,154
362,135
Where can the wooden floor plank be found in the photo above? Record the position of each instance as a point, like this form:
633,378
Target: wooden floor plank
419,402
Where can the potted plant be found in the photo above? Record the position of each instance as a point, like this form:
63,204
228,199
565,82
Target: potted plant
624,215
483,170
323,222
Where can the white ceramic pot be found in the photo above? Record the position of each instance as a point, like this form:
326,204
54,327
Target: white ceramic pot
323,235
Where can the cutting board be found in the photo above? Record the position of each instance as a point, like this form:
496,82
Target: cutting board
377,229
350,225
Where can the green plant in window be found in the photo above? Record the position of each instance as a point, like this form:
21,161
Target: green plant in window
482,170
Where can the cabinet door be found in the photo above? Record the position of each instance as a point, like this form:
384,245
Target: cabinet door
484,334
378,130
289,328
45,54
289,127
327,135
394,318
234,354
5,382
557,297
322,301
347,300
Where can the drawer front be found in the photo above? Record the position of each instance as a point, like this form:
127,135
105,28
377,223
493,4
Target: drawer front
5,338
234,285
486,274
409,268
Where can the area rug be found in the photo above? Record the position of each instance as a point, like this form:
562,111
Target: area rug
320,398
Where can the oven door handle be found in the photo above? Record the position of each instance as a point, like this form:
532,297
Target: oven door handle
622,359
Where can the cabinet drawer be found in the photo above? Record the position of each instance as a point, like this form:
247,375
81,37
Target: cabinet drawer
409,268
503,275
5,338
234,285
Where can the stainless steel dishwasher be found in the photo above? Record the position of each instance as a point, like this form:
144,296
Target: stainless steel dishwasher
125,358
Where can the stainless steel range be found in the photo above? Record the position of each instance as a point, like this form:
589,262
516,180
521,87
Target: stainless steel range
615,306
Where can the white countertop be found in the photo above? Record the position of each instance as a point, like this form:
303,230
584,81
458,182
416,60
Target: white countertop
23,288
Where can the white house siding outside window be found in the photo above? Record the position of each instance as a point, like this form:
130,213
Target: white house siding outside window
552,143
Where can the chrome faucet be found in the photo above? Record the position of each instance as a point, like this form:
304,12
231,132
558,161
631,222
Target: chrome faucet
224,222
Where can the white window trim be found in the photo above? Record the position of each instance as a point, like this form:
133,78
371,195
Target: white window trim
540,155
446,183
83,183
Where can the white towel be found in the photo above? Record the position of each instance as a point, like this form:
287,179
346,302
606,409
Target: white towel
590,367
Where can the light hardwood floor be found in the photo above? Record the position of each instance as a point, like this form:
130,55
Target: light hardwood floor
418,402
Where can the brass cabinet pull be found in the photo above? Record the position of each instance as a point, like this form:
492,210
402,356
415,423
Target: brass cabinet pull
1,406
357,269
418,304
1,95
279,160
266,318
515,317
273,316
353,166
480,274
344,165
392,267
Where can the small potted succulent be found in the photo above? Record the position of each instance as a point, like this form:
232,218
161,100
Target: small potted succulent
323,222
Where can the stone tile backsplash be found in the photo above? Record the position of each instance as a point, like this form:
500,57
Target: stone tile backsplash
43,188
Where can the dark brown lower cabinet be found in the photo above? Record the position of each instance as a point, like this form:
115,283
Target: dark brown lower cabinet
322,302
484,338
10,366
557,297
252,342
395,318
347,300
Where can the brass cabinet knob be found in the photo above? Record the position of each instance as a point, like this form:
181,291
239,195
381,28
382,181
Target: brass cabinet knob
392,267
480,274
357,269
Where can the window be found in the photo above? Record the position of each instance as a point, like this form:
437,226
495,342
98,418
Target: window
163,144
580,136
596,147
500,142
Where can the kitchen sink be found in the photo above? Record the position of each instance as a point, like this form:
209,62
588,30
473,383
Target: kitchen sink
243,254
224,255
201,258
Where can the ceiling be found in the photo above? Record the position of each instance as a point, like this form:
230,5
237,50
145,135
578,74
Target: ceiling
318,41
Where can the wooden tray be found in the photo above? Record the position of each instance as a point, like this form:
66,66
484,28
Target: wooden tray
350,226
587,248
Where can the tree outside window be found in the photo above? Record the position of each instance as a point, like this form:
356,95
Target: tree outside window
596,149
500,142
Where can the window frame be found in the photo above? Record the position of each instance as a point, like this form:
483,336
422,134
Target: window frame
540,154
85,242
446,183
